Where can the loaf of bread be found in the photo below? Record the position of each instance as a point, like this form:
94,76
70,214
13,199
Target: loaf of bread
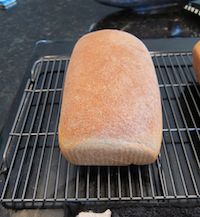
196,60
111,108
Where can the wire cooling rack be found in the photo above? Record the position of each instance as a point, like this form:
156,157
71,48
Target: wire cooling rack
37,175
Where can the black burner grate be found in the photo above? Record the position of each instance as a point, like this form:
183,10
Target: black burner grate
38,175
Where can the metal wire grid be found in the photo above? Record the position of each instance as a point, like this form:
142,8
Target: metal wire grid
192,8
38,175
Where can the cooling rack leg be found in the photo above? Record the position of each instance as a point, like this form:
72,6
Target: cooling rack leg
71,209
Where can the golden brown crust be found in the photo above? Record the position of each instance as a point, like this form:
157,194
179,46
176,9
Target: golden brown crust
111,110
196,60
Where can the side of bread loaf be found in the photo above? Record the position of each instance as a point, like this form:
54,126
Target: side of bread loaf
111,109
196,60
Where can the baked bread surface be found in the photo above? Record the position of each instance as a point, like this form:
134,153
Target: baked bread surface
196,60
111,108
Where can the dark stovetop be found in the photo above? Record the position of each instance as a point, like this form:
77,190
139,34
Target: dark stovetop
33,20
176,23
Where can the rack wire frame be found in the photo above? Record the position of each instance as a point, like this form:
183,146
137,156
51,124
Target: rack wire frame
37,175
